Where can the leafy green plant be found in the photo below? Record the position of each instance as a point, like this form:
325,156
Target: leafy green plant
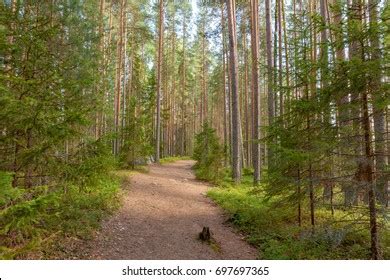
72,205
209,155
272,227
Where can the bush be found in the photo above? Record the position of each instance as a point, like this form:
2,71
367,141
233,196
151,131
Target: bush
72,204
272,227
209,155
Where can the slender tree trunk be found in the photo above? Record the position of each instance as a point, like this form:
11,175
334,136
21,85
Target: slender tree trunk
125,70
236,120
299,210
286,52
172,149
255,90
245,98
280,59
119,78
375,254
324,62
183,88
99,114
270,97
225,94
379,111
8,68
159,80
275,61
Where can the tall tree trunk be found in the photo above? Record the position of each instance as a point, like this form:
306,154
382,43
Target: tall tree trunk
369,181
379,111
236,120
225,93
245,97
8,68
119,77
125,71
204,73
324,62
255,90
183,89
172,150
286,52
99,114
159,80
270,97
280,59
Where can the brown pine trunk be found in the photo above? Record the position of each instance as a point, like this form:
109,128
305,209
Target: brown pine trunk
99,114
245,97
119,78
379,111
280,59
226,102
159,81
270,97
172,150
183,91
255,90
369,180
286,51
236,120
204,74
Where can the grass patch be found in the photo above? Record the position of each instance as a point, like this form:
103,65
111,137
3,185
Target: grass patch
124,174
273,229
173,159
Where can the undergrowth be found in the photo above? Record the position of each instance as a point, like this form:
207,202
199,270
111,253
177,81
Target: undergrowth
35,217
173,159
272,227
209,156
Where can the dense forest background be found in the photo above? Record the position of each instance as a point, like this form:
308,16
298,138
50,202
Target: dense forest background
283,103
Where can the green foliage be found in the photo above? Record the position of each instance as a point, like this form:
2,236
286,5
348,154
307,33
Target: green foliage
54,175
273,229
86,166
43,215
7,192
137,132
173,159
83,194
209,155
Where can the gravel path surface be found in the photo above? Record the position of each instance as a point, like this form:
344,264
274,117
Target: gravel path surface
161,217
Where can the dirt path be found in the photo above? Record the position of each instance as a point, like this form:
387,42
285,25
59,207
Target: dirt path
161,217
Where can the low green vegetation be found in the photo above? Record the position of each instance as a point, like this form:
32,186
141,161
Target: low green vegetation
41,215
173,159
71,204
209,155
272,226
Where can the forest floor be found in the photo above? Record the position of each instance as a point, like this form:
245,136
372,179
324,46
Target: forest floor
162,215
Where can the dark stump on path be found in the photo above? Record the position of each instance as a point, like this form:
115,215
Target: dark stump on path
205,235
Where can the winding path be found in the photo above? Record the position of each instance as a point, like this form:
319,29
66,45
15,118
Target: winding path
162,214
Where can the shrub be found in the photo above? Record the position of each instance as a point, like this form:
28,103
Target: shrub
209,155
71,204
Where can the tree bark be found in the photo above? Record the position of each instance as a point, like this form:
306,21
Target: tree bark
379,111
236,120
270,97
119,78
159,81
255,90
225,93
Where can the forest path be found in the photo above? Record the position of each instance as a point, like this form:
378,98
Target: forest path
161,217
